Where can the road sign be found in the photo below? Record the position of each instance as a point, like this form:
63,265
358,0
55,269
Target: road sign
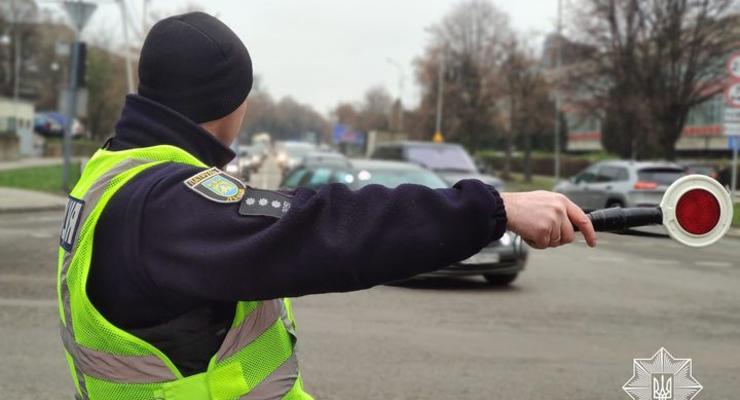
438,138
733,143
79,12
733,66
732,95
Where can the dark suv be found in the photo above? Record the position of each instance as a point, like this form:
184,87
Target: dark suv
448,160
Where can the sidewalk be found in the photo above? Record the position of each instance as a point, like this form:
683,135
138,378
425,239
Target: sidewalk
19,200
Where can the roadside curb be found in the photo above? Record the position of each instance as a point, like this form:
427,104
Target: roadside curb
30,209
21,210
14,200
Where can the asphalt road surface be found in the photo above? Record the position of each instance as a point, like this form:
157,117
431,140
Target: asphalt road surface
567,329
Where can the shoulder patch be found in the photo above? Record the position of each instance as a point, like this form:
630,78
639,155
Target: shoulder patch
266,203
72,217
216,185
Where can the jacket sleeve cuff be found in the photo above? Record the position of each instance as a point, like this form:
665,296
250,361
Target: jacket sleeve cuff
498,219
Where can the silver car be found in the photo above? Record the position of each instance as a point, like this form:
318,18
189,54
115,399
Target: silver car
620,184
500,262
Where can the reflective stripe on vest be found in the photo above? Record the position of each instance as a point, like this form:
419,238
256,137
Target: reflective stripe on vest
256,360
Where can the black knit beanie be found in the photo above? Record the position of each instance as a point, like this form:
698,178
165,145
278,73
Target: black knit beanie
194,64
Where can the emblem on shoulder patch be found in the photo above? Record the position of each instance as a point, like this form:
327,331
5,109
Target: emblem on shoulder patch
216,185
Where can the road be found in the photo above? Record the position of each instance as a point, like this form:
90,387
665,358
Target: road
567,329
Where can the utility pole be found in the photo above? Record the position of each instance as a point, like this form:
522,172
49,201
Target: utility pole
127,46
79,12
440,92
558,64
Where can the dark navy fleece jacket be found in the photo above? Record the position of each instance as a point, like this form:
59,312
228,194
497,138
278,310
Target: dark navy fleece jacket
161,249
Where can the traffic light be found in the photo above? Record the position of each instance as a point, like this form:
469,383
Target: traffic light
81,72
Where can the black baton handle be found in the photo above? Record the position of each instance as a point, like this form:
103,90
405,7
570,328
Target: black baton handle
617,219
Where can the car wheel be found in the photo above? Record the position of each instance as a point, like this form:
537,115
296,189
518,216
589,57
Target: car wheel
500,279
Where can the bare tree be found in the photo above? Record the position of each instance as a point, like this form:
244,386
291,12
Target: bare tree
284,119
527,108
655,60
469,40
107,90
375,110
18,43
345,113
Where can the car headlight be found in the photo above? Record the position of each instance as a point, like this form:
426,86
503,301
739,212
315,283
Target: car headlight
232,168
505,239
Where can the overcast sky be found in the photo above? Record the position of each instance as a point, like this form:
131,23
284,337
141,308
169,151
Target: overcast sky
325,51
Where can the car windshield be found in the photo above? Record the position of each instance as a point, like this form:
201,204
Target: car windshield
451,158
395,177
661,176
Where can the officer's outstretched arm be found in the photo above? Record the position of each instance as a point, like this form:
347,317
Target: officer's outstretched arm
331,240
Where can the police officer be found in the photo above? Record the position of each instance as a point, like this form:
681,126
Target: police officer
172,274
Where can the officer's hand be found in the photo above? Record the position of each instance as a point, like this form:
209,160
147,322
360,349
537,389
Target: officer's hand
545,219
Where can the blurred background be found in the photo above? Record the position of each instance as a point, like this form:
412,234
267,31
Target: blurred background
605,101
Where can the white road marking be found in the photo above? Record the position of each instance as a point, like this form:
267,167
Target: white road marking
604,258
44,218
41,235
721,264
659,261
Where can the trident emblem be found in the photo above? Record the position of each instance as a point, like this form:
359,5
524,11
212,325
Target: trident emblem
662,387
662,377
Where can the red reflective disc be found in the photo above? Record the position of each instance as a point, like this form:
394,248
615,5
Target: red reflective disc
698,211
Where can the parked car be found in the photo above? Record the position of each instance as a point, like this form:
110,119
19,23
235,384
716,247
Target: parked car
620,184
500,262
53,124
450,161
289,154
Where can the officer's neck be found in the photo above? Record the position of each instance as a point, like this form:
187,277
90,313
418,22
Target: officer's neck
145,123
